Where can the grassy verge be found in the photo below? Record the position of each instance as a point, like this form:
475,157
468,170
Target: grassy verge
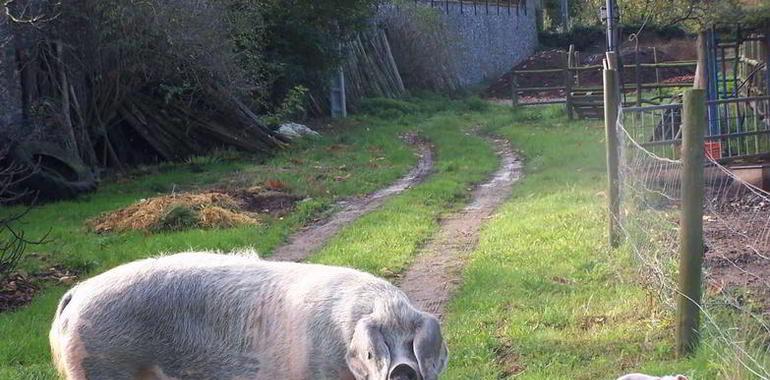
366,155
543,297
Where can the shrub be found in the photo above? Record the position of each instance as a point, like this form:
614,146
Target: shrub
475,104
387,108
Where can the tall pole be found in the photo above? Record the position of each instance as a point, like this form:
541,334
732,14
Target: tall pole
612,42
565,15
691,247
611,104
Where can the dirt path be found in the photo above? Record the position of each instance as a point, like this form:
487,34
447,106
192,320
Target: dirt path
437,271
309,240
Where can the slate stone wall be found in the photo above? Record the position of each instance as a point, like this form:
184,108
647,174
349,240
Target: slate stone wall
483,44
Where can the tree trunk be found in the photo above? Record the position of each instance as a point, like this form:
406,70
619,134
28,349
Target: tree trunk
10,90
65,100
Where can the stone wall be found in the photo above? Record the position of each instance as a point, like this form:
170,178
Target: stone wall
484,45
453,45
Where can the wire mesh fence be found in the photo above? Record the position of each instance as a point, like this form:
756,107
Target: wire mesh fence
736,223
475,7
736,128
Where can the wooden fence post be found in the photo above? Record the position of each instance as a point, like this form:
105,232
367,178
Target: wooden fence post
611,104
338,97
638,76
657,69
691,221
568,80
514,90
577,72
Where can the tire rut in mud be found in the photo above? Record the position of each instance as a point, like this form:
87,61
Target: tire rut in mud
310,239
437,271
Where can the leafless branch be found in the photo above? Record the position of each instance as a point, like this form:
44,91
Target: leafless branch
13,242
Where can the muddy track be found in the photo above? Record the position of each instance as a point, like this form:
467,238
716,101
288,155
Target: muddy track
437,271
309,240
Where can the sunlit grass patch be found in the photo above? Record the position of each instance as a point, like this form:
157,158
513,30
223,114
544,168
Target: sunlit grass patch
544,298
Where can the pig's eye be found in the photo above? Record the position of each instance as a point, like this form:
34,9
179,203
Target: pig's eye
369,356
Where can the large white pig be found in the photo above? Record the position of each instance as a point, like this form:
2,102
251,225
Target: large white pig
213,316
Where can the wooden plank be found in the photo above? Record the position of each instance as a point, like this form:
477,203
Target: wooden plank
538,71
646,86
524,89
544,102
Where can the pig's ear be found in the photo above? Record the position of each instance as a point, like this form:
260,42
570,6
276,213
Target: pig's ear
368,355
429,347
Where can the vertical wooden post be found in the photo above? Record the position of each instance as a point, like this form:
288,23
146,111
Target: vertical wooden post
638,76
657,69
577,65
568,81
514,89
337,96
611,104
691,221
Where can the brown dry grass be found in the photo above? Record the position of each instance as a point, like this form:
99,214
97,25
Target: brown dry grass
218,217
213,209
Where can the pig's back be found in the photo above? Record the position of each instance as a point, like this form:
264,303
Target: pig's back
201,315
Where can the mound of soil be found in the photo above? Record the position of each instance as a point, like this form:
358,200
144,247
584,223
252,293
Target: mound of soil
212,209
554,59
667,75
738,254
18,289
546,59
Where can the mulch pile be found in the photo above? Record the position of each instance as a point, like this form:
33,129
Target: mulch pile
546,59
211,209
554,59
18,289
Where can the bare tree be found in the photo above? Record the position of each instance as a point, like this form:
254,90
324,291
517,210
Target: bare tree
13,242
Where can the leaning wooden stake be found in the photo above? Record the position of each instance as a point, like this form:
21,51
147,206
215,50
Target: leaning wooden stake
611,103
691,221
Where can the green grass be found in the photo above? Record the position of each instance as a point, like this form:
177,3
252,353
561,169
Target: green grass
369,150
372,156
543,297
371,153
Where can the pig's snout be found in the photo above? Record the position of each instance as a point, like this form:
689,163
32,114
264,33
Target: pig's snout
403,372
